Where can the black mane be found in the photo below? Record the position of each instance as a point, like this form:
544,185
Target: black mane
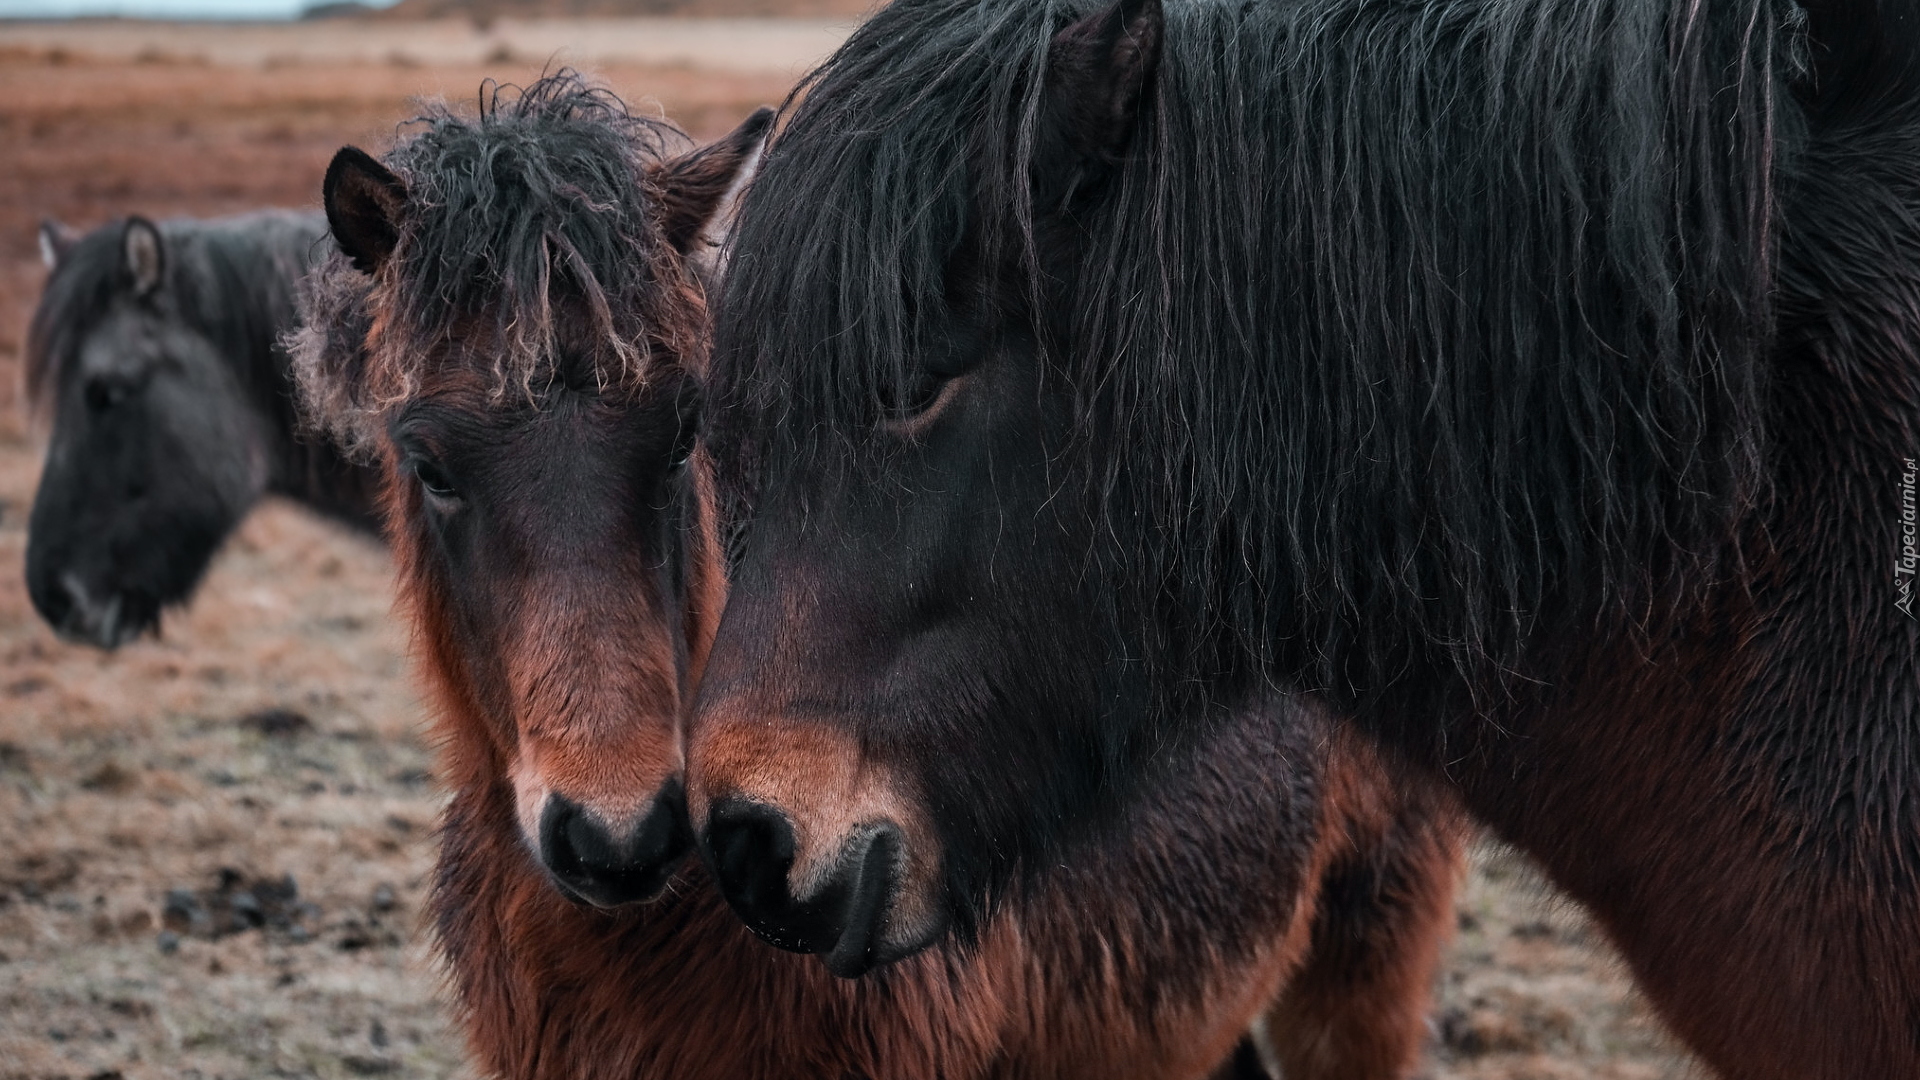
1488,284
231,280
495,250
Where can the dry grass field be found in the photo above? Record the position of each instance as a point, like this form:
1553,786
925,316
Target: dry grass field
213,845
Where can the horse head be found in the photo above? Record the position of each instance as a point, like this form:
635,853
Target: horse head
152,354
526,335
880,738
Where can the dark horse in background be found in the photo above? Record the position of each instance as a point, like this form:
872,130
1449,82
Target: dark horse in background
516,331
1532,383
156,354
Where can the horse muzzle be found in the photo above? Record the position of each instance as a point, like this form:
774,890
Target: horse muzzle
817,846
608,865
101,617
843,912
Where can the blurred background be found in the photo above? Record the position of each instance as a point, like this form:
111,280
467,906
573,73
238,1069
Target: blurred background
213,845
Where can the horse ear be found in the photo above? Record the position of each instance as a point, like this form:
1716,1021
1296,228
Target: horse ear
144,255
55,241
1097,71
363,200
696,192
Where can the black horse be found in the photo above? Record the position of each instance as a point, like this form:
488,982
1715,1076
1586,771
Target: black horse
1532,382
156,354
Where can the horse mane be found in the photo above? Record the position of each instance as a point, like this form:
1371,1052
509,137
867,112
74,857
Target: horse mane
231,280
527,252
1401,328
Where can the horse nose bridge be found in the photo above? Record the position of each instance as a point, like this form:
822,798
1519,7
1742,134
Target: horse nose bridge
58,533
584,667
784,612
741,747
605,760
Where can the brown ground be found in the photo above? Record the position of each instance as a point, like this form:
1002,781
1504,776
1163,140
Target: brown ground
273,732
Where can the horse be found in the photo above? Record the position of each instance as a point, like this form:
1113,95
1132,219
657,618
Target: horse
515,330
155,352
1533,386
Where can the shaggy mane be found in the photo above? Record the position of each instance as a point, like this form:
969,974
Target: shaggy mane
1404,327
527,253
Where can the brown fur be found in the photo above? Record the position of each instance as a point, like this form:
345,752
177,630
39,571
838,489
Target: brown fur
1087,979
1084,979
1357,1008
1105,972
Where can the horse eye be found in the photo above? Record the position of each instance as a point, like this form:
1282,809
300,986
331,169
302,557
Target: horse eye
103,394
687,405
434,480
918,394
928,378
684,440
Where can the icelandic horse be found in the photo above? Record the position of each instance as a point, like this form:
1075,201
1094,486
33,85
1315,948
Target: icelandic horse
515,330
1535,386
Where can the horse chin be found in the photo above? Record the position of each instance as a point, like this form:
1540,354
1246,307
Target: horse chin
626,897
849,960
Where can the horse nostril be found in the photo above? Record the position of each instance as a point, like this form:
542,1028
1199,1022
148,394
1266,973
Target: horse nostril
56,602
79,614
752,847
605,870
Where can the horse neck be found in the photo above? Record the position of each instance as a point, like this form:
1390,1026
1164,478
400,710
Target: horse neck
1843,420
1770,734
309,469
1844,396
305,465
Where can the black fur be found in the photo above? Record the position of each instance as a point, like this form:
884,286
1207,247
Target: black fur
171,404
1393,332
1286,307
1524,378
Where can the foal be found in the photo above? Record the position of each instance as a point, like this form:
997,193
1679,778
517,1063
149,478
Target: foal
515,331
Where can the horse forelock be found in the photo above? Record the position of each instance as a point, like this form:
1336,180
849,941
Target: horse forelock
1410,326
529,252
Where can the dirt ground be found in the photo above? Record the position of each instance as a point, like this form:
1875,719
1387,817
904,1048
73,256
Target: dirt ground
213,845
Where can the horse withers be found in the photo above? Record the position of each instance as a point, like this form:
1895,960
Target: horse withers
155,354
515,331
1531,382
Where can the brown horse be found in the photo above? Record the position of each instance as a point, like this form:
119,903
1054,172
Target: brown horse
515,329
1537,382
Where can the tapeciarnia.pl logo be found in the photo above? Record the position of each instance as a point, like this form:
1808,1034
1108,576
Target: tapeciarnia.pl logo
1908,562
